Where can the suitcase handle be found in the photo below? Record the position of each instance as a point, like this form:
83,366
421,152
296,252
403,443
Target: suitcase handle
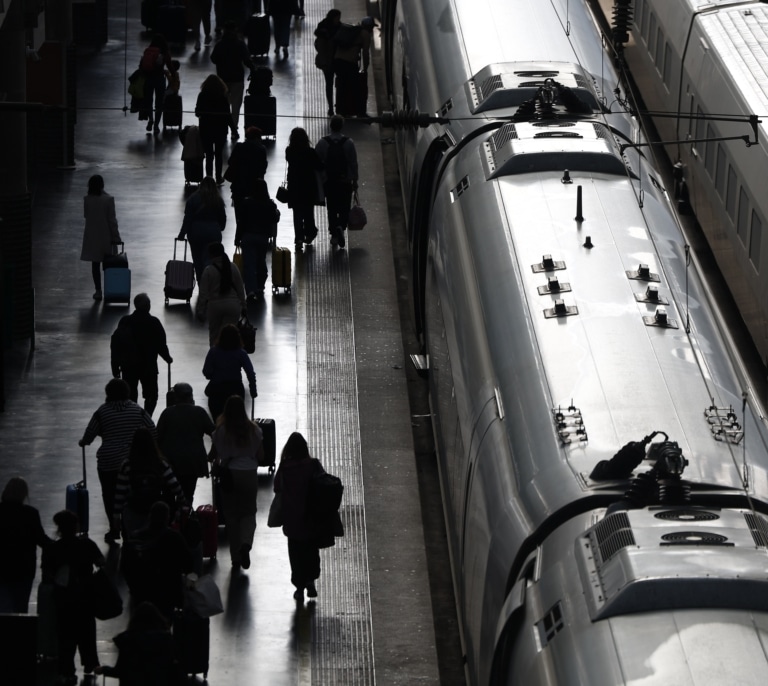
169,376
175,240
85,477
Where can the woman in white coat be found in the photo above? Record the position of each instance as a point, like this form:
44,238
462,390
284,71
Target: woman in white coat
100,232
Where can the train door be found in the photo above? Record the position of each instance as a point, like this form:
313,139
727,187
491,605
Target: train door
421,211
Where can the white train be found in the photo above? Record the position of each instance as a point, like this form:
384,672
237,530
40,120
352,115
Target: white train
603,463
707,58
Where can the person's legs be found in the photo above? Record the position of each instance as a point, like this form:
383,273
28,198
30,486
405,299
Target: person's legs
310,228
328,74
298,227
132,379
108,481
96,274
206,139
86,640
206,17
149,390
66,637
235,96
246,488
250,263
218,147
188,484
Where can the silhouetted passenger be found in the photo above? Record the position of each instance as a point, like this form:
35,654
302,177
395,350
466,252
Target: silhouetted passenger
215,118
223,365
222,292
205,217
304,187
20,533
100,232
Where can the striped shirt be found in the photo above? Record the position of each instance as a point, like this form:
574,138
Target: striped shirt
116,421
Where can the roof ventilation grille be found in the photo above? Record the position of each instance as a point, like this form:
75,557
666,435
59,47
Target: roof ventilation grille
613,534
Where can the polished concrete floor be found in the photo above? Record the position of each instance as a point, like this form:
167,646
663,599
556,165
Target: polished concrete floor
330,362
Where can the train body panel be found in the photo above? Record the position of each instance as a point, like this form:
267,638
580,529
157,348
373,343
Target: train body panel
578,374
708,58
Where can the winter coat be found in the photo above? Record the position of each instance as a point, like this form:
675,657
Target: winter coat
292,480
304,167
100,227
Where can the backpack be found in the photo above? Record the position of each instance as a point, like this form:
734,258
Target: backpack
346,35
123,347
336,159
151,60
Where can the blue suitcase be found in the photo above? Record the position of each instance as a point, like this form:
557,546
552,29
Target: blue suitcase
77,499
117,285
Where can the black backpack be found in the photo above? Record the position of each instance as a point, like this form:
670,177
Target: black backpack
336,159
346,35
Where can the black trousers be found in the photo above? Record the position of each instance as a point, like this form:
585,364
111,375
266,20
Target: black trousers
305,562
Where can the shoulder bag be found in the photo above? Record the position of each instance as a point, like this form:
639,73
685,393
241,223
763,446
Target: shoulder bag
357,217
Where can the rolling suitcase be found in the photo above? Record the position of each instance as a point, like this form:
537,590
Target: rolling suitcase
193,170
261,111
258,33
209,529
117,285
172,110
77,499
18,649
191,639
172,23
267,427
281,270
47,636
179,276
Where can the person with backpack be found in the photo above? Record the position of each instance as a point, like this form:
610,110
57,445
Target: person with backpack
153,64
338,154
135,346
205,217
144,478
247,164
116,420
351,59
326,49
222,293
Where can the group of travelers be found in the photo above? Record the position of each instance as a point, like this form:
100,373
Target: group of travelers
148,472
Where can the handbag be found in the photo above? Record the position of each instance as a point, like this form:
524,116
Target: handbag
237,259
223,473
105,599
357,217
275,518
202,596
282,191
248,334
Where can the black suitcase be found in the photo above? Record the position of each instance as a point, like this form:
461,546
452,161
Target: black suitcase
77,499
269,442
149,13
259,34
172,23
261,111
192,638
18,649
172,110
261,81
179,276
352,95
193,170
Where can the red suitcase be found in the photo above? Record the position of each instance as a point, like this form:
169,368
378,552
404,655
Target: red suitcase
179,276
209,526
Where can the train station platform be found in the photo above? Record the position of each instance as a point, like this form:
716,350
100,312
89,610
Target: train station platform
331,362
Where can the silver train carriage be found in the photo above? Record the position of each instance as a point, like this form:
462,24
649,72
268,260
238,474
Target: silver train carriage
603,463
708,57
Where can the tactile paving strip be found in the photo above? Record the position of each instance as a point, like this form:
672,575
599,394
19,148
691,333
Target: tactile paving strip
342,641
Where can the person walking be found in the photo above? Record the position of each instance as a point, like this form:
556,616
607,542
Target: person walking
230,55
144,478
292,481
100,233
247,163
201,12
256,224
281,12
339,157
155,561
222,293
215,118
304,187
21,532
351,59
326,49
68,564
180,436
135,346
115,421
205,217
222,368
237,446
154,61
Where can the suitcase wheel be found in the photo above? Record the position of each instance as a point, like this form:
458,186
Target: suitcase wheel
271,469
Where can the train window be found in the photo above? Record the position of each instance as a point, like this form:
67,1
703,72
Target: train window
651,33
659,53
720,172
710,154
642,13
741,225
730,194
755,240
667,72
